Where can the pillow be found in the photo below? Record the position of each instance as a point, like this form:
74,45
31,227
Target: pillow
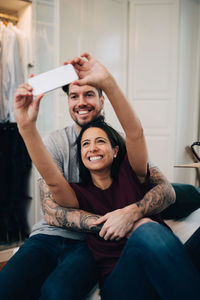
187,200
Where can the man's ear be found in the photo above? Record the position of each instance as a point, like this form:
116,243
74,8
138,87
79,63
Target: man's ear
102,99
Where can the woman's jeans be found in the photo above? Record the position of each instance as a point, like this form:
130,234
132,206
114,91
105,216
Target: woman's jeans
193,248
153,265
48,267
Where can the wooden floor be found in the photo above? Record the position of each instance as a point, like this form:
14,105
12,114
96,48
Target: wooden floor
2,264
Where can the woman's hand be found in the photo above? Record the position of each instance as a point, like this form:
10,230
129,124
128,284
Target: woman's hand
26,108
90,71
118,223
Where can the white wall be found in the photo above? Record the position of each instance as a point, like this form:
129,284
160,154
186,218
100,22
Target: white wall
188,88
99,27
153,75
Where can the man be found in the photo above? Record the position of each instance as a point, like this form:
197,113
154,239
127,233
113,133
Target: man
55,263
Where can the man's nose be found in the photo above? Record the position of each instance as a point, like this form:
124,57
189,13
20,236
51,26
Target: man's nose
82,100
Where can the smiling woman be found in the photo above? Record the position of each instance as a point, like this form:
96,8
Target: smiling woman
100,149
96,152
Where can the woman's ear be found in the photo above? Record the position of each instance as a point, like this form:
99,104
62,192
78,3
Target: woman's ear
116,149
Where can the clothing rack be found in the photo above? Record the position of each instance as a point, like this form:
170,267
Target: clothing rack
7,17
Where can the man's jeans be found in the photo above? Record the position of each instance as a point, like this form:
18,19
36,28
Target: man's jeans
49,267
153,265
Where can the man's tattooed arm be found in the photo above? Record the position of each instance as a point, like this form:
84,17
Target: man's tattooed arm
69,218
159,197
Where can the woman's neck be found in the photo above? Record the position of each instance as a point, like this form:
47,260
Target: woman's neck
101,179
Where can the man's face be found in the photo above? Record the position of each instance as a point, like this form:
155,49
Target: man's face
84,103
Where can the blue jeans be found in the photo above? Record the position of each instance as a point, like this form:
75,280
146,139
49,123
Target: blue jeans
48,267
153,265
193,248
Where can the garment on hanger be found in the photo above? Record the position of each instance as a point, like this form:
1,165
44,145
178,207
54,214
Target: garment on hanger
23,49
11,72
15,163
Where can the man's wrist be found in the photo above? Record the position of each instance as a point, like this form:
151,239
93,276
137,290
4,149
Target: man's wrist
136,210
87,222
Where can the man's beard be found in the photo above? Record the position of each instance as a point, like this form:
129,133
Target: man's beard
83,124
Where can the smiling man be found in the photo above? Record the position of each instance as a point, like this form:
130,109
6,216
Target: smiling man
85,103
55,262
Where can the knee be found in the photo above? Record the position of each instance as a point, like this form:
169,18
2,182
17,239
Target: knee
50,291
152,237
55,288
141,222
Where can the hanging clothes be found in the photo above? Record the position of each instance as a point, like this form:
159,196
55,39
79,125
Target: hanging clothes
15,163
23,50
11,72
14,175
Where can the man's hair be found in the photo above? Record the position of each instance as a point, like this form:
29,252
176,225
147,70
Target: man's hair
115,139
65,88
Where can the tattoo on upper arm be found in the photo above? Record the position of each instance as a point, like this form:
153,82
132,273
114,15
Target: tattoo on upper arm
159,197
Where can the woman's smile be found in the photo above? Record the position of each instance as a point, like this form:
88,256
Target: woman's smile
95,158
96,150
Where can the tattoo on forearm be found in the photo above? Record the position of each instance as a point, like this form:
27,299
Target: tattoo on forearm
159,197
84,218
68,218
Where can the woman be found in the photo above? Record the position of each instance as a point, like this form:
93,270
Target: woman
114,178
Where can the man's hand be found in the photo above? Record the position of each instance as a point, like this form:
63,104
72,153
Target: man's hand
25,107
118,223
90,71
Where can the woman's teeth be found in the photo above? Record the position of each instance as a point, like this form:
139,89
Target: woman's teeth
95,158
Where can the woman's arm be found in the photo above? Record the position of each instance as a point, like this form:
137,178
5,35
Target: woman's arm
135,140
26,111
91,72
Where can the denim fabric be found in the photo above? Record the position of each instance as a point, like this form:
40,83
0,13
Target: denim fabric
48,267
193,248
153,265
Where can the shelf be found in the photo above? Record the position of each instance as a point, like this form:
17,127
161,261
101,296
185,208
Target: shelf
13,6
192,165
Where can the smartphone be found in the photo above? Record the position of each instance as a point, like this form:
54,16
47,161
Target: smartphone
52,79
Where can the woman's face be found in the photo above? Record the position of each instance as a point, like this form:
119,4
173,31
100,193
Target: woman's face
96,150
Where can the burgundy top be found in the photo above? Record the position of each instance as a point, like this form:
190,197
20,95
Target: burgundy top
124,191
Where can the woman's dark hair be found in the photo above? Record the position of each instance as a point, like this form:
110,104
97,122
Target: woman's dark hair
115,139
65,88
